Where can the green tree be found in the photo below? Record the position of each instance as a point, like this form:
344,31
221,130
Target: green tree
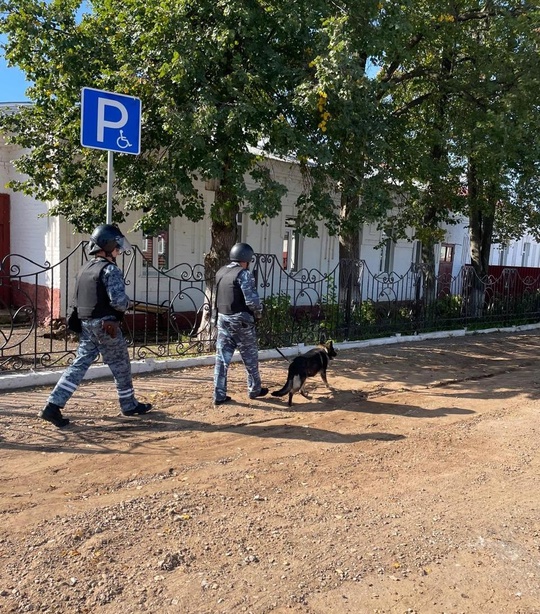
346,126
216,78
344,160
463,78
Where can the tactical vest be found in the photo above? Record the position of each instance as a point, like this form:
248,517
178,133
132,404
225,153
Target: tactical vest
91,295
230,298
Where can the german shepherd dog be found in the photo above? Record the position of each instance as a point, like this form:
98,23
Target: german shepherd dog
304,366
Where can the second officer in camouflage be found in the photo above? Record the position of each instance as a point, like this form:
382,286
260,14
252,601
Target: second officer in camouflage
238,306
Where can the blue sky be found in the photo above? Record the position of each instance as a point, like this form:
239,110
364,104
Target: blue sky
12,81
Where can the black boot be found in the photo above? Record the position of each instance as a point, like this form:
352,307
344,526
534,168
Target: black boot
52,414
262,393
142,408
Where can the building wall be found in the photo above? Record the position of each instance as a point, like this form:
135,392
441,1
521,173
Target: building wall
28,230
517,254
32,239
190,241
42,239
49,239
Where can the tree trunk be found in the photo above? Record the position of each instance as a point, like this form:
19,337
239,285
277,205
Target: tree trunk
349,255
432,216
223,230
481,222
428,256
349,238
224,233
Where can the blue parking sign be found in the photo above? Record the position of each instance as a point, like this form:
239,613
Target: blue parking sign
110,121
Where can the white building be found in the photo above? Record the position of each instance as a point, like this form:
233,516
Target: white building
28,230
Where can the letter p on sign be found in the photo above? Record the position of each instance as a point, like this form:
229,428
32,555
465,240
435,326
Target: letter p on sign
110,121
102,123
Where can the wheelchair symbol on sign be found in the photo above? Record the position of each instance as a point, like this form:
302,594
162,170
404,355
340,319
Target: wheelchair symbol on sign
110,121
122,141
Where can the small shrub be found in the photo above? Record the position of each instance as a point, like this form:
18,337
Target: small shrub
277,323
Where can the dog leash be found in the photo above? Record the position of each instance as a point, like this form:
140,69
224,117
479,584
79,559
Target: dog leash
280,352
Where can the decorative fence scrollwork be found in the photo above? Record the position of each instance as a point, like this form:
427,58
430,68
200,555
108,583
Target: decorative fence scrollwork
172,309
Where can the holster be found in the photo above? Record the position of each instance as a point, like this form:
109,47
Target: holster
111,327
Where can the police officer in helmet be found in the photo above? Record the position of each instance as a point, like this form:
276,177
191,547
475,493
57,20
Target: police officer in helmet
238,306
101,301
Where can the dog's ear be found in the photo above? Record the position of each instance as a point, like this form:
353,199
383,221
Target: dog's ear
330,348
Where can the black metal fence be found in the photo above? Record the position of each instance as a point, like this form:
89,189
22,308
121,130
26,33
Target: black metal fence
171,315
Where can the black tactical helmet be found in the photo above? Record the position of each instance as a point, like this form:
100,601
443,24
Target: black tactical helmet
241,252
107,237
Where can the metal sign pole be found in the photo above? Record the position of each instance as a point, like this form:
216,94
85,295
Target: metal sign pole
111,122
110,181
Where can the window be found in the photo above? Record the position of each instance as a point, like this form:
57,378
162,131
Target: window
447,253
291,246
240,226
503,255
417,252
386,264
525,255
156,250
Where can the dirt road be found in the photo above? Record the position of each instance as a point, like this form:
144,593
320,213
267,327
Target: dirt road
414,487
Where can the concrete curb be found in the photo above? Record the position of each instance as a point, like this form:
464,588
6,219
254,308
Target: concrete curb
30,379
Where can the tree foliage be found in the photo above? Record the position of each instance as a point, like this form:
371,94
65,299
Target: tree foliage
463,77
216,80
429,107
346,139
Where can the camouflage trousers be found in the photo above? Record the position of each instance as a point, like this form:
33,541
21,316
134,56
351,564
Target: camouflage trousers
93,340
234,332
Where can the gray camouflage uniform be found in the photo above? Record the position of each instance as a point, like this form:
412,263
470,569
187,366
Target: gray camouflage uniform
237,331
93,340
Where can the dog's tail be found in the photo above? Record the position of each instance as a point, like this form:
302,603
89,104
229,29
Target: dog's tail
285,390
